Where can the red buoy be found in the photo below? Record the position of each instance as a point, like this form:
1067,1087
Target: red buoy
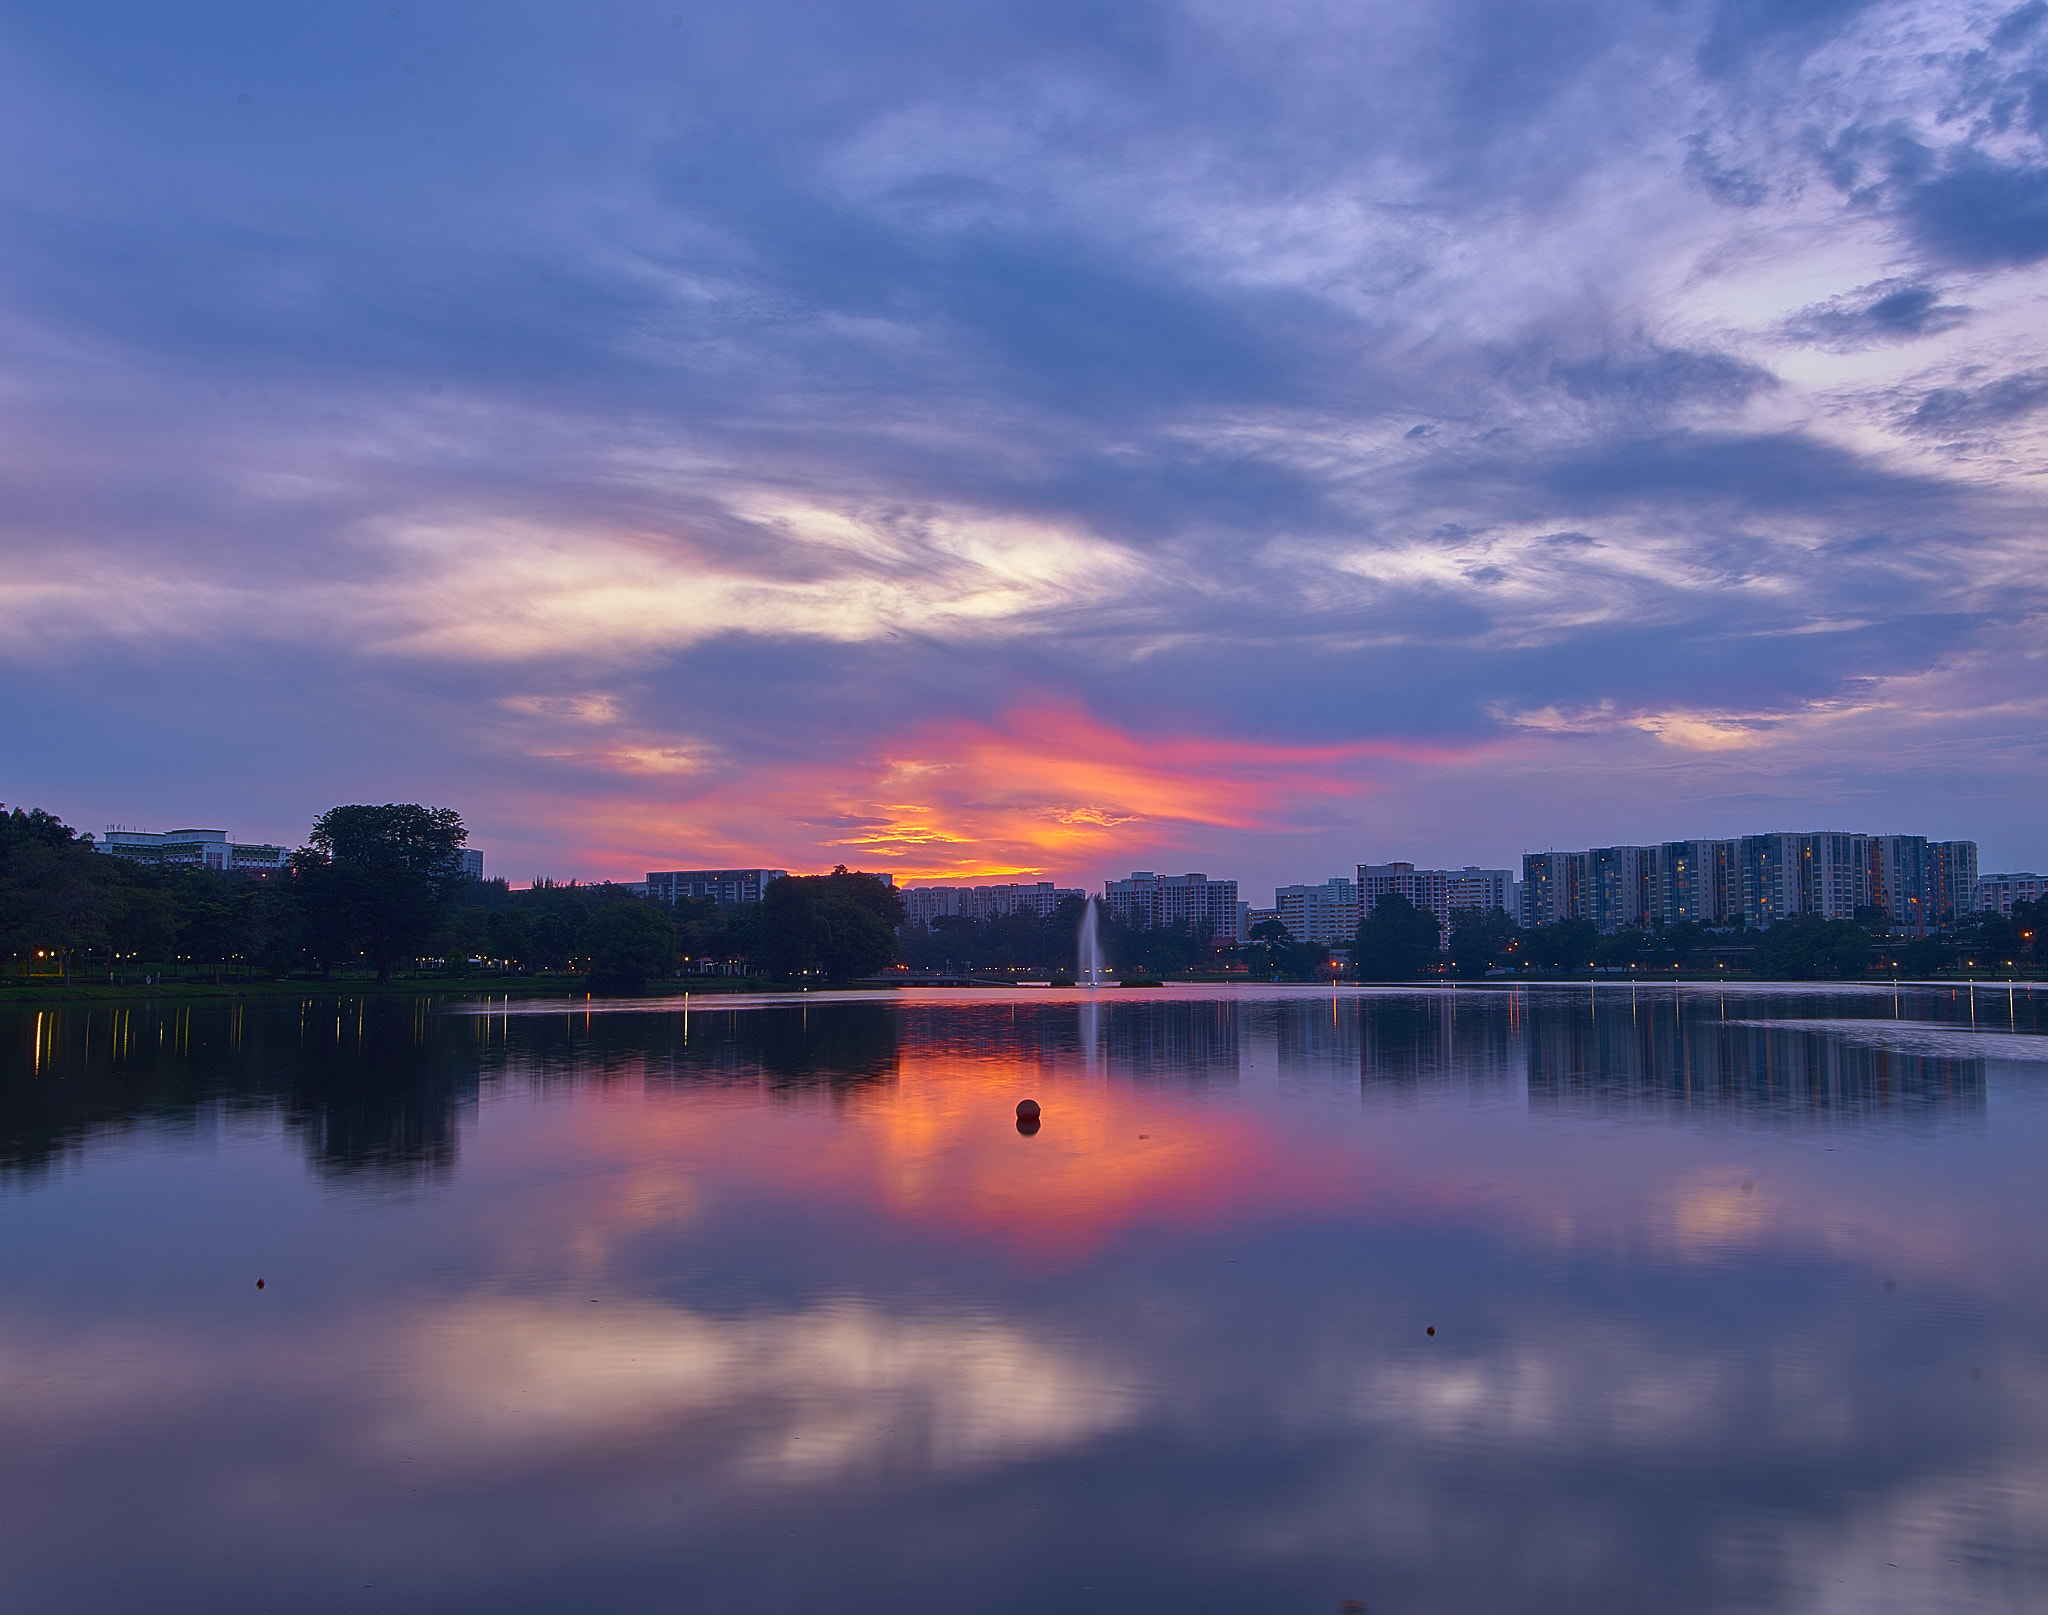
1027,1109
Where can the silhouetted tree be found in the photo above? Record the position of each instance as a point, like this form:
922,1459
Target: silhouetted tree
629,942
379,878
1396,941
1807,948
1480,939
841,924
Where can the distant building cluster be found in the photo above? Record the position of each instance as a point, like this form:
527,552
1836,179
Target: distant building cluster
1921,886
211,849
923,904
725,887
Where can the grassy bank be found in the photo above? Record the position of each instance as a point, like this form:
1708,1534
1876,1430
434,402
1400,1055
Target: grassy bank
51,990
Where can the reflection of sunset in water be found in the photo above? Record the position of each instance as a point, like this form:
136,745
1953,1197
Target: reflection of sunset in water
924,1140
774,1307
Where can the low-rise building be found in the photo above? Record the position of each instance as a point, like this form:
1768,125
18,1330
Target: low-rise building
1998,893
197,849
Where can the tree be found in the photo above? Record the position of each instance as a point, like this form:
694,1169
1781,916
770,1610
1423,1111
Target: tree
2030,926
1989,938
1622,949
1562,945
628,942
1807,948
379,878
1925,955
842,924
58,895
511,936
1168,957
1395,942
1273,954
1480,939
1678,942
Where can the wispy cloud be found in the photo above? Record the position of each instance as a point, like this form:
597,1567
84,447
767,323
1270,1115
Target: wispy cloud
661,431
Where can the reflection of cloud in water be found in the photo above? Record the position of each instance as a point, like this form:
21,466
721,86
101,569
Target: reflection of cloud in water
802,1396
794,1397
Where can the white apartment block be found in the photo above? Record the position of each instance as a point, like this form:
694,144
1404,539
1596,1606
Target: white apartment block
1440,891
1325,914
923,904
2000,892
197,849
1145,901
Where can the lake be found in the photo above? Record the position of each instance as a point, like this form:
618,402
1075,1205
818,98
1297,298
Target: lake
1484,1299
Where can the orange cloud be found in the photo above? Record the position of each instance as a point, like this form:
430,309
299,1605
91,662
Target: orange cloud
1042,789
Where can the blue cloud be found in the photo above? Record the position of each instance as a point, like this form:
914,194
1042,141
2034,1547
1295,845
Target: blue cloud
798,373
1882,313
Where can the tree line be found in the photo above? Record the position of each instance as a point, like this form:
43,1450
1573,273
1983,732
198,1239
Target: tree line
1398,941
382,888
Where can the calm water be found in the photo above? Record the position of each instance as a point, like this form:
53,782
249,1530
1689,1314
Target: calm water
1740,1302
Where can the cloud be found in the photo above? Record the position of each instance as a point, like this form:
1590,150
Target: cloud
1950,410
1883,312
629,422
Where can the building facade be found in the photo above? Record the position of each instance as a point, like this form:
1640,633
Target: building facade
725,887
1440,891
1921,886
197,849
1326,914
923,904
1998,893
1147,901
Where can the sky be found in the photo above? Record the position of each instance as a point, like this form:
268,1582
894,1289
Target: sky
1037,440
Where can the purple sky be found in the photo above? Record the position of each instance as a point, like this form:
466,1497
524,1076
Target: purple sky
967,439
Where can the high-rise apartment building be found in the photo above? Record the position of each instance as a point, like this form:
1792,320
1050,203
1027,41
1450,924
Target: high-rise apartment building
1145,901
1952,879
1700,881
1553,887
1440,891
1902,884
1921,885
1325,914
725,887
923,904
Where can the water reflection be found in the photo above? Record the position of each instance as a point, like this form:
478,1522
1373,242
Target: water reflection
379,1090
371,1089
764,1308
1676,1053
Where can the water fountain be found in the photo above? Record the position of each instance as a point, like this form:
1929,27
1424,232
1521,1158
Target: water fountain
1090,959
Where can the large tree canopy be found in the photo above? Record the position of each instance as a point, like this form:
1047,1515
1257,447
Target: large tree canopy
379,879
842,925
1396,942
1807,948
